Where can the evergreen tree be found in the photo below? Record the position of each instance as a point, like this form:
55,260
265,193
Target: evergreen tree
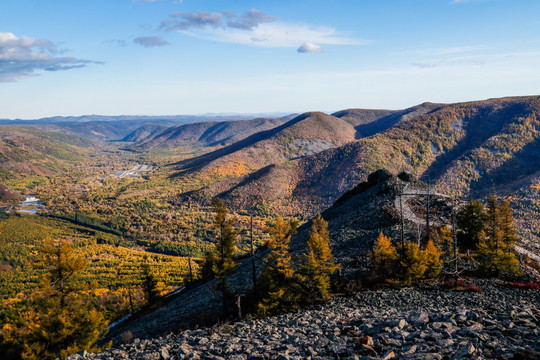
150,282
210,261
278,284
318,264
384,257
65,318
225,248
470,220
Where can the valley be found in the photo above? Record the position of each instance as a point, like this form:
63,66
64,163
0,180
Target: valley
127,193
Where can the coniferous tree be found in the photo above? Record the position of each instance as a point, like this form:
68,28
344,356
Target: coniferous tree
210,261
413,263
471,221
495,249
150,282
65,318
446,243
433,261
278,278
318,264
509,237
225,248
384,257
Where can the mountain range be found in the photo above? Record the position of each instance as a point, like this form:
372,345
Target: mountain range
303,165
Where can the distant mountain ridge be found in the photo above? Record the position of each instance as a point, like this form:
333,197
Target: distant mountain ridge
207,133
466,149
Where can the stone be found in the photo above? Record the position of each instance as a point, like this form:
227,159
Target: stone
389,355
164,352
419,318
410,350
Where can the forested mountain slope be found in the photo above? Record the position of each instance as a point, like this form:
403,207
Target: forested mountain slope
464,149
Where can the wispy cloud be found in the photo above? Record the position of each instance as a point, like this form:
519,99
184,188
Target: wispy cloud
185,21
308,47
249,20
254,28
150,41
21,57
425,65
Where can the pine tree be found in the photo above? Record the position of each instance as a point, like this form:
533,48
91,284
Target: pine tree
65,317
278,278
384,257
470,220
318,264
433,261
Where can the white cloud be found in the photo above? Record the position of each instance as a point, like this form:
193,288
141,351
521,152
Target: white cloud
308,47
21,57
275,35
252,28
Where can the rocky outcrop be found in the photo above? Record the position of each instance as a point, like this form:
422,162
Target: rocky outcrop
409,323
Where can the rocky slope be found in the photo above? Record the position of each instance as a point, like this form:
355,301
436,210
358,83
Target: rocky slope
410,323
353,223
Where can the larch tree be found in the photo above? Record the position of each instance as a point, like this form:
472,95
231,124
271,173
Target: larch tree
495,250
278,283
445,242
413,264
384,257
318,263
66,317
433,261
150,281
210,261
225,249
471,221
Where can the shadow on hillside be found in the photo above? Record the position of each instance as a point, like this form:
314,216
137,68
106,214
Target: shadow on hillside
523,164
198,162
476,133
388,121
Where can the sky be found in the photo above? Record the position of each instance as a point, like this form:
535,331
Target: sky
171,57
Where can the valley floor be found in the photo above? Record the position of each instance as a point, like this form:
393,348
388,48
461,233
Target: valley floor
410,323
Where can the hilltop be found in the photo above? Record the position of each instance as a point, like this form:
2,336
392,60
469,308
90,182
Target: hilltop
465,149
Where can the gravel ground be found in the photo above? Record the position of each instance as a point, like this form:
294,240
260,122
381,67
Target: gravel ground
410,323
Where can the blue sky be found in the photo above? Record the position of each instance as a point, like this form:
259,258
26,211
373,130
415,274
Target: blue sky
164,57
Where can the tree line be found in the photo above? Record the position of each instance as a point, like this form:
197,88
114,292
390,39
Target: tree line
481,243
